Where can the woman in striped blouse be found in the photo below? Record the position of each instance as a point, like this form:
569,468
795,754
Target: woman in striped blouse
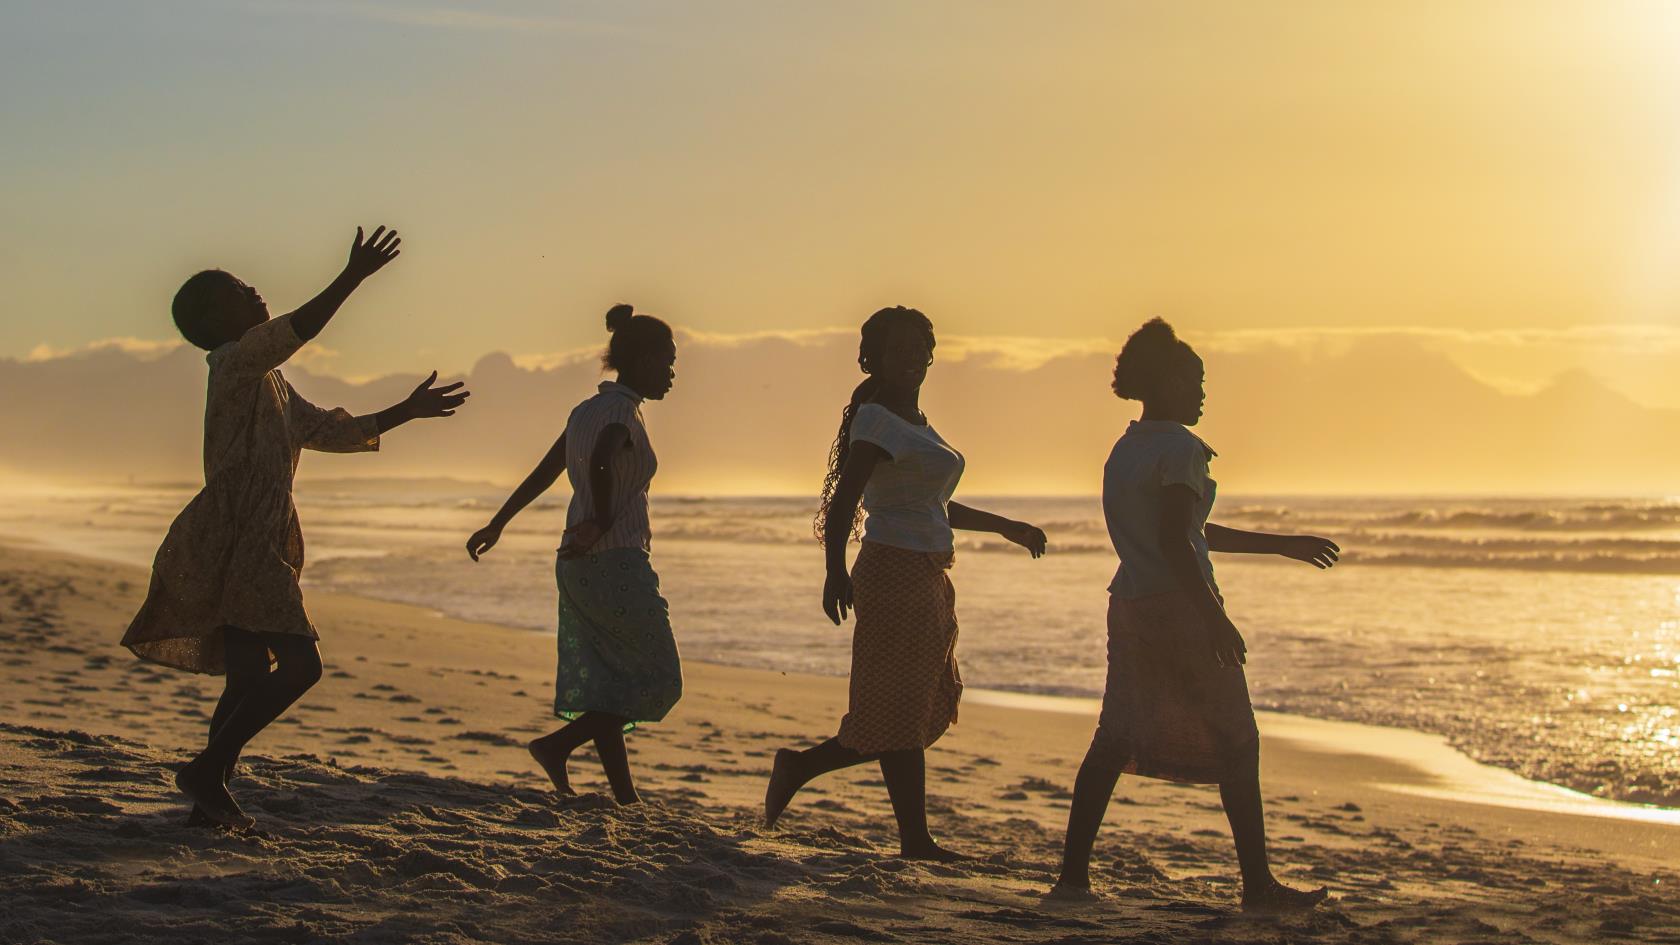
618,663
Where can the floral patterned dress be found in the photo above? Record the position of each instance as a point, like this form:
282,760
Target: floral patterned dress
232,557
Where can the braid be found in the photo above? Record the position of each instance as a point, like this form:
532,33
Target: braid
837,461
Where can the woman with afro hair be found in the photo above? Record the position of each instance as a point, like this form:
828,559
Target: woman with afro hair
1176,704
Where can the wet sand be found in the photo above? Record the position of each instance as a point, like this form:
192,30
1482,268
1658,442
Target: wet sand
396,803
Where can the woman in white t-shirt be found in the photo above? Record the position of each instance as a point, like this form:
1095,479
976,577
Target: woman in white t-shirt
618,664
904,683
1176,702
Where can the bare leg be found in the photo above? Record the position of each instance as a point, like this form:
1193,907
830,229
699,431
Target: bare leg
299,668
795,769
1092,790
1261,891
905,772
615,761
247,664
553,750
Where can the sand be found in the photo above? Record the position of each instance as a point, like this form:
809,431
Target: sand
396,804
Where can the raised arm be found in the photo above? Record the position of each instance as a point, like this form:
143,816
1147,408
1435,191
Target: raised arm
585,534
1319,552
366,258
861,459
1178,501
967,518
536,483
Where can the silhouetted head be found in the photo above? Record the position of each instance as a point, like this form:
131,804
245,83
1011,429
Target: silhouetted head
1160,369
643,352
214,308
895,352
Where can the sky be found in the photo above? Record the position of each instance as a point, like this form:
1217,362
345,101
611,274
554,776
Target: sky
1497,182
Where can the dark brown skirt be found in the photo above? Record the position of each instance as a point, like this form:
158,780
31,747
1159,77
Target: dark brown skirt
1169,710
905,684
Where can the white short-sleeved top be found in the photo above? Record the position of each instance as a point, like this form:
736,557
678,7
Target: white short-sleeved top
632,468
1149,457
904,500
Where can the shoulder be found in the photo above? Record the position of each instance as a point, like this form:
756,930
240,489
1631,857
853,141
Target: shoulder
872,419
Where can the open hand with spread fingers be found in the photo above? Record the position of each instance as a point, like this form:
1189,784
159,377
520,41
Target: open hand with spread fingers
368,256
1321,553
429,401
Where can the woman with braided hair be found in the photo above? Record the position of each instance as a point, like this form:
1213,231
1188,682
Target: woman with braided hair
904,682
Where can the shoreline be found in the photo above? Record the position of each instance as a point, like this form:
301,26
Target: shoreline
1421,764
396,802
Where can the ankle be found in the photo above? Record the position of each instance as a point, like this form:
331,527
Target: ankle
1073,880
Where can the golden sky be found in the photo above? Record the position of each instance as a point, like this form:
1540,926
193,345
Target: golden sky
1502,179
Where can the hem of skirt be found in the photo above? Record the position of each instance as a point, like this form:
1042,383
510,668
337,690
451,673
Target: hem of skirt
139,647
871,749
149,658
572,715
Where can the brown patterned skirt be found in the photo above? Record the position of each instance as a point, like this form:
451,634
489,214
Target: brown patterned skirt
1169,710
905,685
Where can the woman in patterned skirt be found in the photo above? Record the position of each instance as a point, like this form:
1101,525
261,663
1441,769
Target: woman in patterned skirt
1176,702
904,683
618,663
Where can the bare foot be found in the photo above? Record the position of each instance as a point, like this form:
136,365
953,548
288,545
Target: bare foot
210,796
1066,892
200,819
554,764
933,852
1276,899
782,786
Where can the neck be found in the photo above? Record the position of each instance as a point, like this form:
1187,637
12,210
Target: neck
1158,413
904,403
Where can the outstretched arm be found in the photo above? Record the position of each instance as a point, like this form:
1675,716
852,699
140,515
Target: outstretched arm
966,518
1174,538
366,258
1318,552
539,481
426,401
583,535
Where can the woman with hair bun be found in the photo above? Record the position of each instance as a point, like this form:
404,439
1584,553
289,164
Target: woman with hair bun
1176,701
904,683
618,663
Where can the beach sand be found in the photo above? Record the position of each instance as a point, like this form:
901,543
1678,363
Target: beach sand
396,803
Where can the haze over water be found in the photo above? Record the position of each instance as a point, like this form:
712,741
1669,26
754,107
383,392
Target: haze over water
1540,635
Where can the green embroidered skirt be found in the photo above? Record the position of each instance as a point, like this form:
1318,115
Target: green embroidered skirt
617,653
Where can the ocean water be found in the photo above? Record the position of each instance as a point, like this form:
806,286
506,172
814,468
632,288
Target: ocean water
1542,635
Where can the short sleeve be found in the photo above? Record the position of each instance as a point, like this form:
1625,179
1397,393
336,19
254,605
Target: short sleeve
261,349
873,424
1184,462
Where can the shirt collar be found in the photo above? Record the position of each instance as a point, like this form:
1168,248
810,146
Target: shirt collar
1170,427
614,387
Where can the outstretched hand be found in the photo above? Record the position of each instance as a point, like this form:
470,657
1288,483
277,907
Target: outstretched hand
1030,537
1321,553
429,401
370,255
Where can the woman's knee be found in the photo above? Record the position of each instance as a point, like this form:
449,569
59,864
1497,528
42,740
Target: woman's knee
299,665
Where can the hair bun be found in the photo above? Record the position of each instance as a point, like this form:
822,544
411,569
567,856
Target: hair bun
619,316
